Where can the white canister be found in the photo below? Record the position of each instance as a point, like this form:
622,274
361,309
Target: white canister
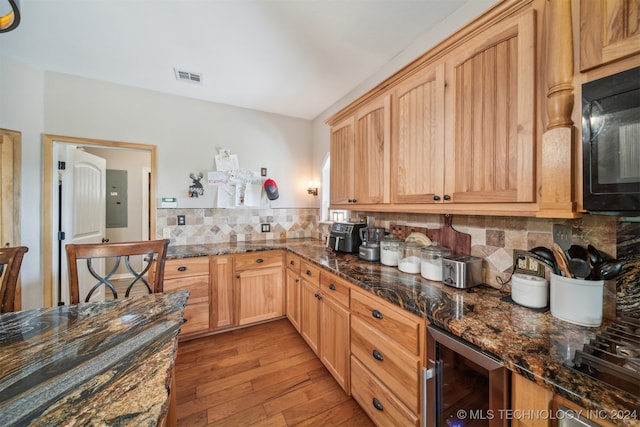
529,291
577,301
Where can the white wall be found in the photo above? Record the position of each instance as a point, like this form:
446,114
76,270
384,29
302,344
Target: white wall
22,109
187,133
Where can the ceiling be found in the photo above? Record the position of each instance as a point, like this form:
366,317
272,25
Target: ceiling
290,57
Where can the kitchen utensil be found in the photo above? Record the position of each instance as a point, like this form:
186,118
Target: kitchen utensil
459,243
561,260
578,268
595,255
605,270
546,256
578,252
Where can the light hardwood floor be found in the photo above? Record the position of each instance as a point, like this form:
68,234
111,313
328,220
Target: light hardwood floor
264,375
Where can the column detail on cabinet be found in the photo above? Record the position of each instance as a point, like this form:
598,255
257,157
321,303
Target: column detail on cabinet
222,310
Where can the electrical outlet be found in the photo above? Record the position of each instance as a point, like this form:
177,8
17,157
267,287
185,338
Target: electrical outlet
266,228
181,220
166,233
263,171
562,235
526,265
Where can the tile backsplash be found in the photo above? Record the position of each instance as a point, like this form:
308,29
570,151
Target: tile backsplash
204,226
492,238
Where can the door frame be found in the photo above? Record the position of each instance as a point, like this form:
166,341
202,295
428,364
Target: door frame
11,172
48,216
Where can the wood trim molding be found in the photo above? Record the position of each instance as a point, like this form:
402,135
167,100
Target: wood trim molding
47,197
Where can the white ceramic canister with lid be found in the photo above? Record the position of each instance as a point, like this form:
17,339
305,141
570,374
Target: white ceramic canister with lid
529,291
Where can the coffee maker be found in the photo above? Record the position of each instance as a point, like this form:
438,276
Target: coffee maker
369,250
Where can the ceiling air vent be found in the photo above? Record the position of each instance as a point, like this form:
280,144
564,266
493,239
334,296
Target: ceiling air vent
188,76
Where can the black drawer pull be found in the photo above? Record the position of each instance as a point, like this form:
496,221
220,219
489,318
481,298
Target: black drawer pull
259,260
308,272
377,355
332,287
182,268
376,314
377,404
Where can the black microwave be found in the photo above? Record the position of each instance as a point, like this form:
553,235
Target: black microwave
611,144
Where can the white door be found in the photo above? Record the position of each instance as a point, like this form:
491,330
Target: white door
82,212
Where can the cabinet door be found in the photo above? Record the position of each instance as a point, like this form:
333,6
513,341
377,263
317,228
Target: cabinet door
609,30
334,339
191,274
342,162
490,150
259,295
310,315
292,299
222,292
417,145
372,152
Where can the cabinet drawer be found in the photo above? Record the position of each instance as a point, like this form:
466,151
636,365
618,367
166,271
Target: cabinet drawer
252,260
405,329
335,287
310,272
293,262
395,367
377,401
185,267
198,287
197,318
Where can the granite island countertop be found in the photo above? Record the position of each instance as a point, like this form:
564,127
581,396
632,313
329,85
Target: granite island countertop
102,363
532,343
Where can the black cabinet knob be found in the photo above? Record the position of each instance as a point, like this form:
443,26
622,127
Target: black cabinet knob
308,272
436,197
182,268
377,355
259,260
377,404
447,197
292,262
377,314
332,287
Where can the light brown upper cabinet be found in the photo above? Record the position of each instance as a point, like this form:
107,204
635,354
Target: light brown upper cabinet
489,131
609,30
359,156
417,145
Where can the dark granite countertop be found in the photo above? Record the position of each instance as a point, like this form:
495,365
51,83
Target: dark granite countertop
104,363
532,343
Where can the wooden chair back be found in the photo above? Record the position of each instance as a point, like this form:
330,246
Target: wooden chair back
10,261
152,265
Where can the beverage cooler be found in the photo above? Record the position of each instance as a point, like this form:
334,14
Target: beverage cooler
463,386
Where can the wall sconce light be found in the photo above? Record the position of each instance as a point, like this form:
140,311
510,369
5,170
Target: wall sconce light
312,188
9,15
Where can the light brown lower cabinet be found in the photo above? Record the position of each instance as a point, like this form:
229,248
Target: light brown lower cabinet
325,320
380,403
259,287
191,274
387,356
292,290
222,310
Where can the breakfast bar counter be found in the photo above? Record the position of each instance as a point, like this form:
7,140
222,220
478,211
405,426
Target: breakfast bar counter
103,363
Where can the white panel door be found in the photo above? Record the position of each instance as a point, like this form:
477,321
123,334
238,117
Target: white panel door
83,212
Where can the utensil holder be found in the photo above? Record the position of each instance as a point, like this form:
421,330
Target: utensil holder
577,301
